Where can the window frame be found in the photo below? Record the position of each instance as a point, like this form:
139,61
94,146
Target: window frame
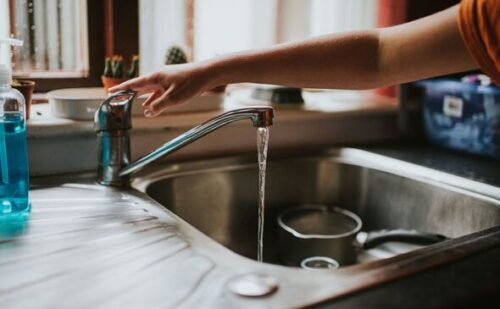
110,29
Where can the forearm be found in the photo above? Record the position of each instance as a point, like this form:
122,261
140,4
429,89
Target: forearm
424,48
347,61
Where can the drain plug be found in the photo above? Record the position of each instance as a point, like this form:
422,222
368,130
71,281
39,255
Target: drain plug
253,285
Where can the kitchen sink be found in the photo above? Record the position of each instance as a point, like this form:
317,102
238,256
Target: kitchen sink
219,196
192,242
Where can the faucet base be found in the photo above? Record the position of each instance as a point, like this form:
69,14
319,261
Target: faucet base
109,176
115,184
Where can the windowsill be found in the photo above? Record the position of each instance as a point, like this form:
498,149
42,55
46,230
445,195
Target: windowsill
339,105
52,74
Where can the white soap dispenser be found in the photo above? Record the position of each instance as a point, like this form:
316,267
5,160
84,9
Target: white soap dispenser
14,175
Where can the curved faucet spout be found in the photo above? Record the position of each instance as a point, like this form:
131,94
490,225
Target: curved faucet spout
113,122
260,117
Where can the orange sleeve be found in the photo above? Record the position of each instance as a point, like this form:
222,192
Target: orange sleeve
479,23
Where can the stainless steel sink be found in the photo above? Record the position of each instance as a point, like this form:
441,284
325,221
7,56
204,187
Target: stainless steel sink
110,248
219,197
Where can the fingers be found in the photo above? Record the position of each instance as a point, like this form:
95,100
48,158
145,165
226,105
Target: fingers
155,107
167,89
142,84
132,84
151,98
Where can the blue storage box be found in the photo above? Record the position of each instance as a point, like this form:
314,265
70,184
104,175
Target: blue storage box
462,116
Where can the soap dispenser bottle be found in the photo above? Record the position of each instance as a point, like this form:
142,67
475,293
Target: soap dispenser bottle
14,176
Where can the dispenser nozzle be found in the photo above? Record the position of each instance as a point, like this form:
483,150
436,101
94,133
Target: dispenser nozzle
5,69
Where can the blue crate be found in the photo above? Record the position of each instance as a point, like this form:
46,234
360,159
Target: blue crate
462,116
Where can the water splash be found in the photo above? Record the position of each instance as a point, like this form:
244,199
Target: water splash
262,146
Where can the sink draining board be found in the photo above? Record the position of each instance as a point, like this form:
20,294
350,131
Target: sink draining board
87,246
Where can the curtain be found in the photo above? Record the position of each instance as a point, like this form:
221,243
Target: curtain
54,35
220,26
340,15
223,26
161,25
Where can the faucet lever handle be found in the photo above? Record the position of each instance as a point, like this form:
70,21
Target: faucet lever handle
115,112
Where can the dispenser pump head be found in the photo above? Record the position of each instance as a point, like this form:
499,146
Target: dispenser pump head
5,68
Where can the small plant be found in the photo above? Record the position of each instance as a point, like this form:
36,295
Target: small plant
134,67
115,68
108,71
175,55
114,71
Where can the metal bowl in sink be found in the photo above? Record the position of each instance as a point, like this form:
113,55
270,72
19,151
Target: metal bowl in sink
320,232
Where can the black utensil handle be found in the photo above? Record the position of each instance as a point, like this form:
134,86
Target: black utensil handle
376,238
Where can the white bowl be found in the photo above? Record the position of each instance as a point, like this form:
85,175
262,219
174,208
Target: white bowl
81,103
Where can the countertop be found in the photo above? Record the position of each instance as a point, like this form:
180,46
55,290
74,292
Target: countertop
89,246
86,246
481,169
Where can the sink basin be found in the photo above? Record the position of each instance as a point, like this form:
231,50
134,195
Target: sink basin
219,196
110,248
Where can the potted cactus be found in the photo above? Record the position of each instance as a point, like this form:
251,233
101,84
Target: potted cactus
114,71
175,55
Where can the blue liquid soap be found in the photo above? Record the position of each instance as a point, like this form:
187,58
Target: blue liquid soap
14,179
14,175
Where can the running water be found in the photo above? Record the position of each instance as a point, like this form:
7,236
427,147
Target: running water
262,142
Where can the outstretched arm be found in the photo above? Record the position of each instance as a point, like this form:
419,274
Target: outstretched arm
356,60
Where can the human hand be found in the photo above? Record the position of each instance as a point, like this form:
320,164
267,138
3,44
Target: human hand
172,86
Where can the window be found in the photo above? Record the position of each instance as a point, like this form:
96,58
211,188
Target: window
222,26
339,16
162,24
64,40
55,38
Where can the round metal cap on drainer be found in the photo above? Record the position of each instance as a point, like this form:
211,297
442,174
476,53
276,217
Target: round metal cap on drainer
319,263
253,285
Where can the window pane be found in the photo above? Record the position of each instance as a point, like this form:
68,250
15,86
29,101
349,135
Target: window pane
298,19
223,26
55,38
340,15
161,25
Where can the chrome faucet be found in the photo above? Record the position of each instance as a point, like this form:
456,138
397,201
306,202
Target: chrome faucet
113,122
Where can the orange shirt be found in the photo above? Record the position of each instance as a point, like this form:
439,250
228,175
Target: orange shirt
479,23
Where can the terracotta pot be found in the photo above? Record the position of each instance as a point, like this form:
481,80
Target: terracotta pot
109,82
26,87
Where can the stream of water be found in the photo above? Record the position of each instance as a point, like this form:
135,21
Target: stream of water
262,145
